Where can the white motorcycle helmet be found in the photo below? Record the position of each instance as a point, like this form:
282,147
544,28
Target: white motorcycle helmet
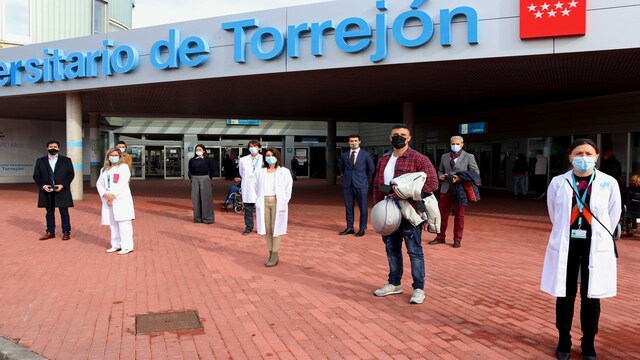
386,217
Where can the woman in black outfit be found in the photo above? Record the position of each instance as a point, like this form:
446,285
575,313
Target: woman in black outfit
201,171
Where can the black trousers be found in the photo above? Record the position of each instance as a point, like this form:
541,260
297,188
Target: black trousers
51,217
578,262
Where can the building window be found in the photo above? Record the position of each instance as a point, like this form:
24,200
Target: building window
15,20
99,16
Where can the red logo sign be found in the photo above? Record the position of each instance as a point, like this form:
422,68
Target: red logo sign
546,18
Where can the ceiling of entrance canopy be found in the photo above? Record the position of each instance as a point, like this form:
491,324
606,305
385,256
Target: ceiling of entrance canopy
372,93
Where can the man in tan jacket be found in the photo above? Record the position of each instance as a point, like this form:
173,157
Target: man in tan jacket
126,157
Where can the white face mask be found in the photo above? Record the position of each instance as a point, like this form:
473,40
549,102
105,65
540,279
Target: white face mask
199,153
122,149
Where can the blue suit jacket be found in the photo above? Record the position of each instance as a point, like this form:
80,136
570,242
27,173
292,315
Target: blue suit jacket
358,175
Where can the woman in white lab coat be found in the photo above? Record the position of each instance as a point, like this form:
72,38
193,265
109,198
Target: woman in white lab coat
581,247
273,190
117,203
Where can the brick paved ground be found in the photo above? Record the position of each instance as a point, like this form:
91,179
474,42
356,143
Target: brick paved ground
70,300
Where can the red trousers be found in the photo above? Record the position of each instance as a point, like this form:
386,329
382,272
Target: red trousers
445,203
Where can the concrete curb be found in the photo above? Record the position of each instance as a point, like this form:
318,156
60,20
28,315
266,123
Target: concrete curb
12,351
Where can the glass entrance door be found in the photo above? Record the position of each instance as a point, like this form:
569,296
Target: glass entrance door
173,162
138,160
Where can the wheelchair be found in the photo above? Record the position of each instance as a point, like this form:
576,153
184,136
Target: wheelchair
630,212
235,201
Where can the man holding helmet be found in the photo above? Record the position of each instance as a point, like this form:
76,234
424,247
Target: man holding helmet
403,160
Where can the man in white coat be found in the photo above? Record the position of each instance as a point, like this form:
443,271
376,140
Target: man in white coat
248,166
584,206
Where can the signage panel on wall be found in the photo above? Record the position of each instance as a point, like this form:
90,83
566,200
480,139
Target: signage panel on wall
472,128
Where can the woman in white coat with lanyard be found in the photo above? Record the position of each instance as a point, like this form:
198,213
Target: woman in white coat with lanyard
117,203
273,190
584,206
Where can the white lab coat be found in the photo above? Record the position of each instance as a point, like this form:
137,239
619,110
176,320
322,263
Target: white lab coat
284,183
247,173
605,204
123,203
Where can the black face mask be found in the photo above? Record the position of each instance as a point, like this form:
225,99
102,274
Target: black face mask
53,151
398,142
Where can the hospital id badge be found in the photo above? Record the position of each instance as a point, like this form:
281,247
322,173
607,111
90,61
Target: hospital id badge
578,234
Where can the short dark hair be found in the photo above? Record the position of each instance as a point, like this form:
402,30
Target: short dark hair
401,126
355,136
276,153
53,142
255,143
578,142
203,149
121,142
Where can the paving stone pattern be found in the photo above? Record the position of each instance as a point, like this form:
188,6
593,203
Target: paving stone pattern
71,300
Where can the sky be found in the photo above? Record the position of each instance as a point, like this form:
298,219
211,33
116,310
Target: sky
157,12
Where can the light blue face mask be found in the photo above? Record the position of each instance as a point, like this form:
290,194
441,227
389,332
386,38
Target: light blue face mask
114,159
456,148
584,163
271,160
253,150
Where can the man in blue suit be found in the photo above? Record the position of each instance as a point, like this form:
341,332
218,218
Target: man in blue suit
356,168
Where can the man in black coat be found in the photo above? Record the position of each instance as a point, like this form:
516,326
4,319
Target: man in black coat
53,174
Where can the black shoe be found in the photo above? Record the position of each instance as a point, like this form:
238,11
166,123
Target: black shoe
360,232
347,231
456,244
436,241
246,232
562,355
589,357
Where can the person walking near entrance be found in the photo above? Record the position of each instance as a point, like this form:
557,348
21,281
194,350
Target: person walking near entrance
294,168
520,168
540,165
117,203
403,160
273,187
247,166
201,170
356,167
451,164
126,157
584,207
229,167
53,174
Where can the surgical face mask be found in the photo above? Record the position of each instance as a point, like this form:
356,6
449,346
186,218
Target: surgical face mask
52,151
122,149
114,159
253,150
398,142
199,153
584,163
354,146
456,148
271,160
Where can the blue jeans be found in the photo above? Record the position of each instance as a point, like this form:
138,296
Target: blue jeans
519,183
412,236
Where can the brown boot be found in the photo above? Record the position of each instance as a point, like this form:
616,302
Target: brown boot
266,262
273,260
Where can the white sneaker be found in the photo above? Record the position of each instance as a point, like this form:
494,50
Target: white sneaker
417,297
124,251
113,249
388,289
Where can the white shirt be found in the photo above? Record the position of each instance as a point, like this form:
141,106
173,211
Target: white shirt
53,161
355,157
270,184
390,169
